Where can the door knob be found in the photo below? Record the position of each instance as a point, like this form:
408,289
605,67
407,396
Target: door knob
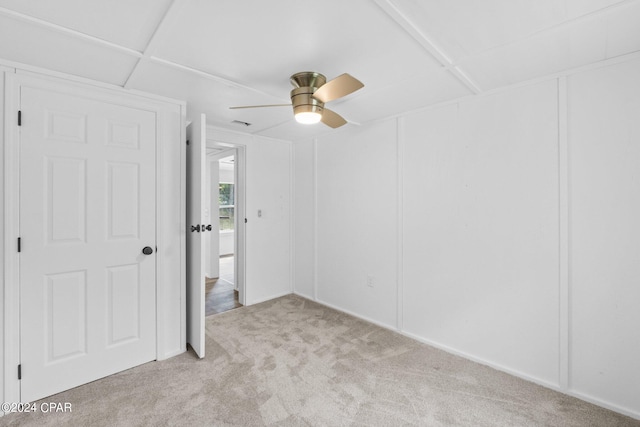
195,228
208,227
147,250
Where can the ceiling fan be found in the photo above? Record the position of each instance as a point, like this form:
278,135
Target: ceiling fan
311,91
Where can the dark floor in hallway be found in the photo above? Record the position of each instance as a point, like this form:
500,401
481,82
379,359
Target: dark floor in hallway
220,293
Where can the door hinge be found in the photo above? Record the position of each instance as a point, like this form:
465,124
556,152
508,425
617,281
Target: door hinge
19,372
19,244
19,118
187,142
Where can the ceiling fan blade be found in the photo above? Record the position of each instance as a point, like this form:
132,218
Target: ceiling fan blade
260,106
337,88
332,119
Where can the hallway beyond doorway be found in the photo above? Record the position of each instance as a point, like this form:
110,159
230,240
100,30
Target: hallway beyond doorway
220,293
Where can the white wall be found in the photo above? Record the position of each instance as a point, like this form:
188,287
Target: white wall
269,236
212,245
481,222
304,214
227,237
226,173
604,153
509,233
218,242
268,188
357,218
226,245
2,340
170,226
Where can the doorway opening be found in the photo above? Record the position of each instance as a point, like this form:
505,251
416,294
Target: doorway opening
223,267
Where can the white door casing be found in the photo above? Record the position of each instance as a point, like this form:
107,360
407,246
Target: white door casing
212,239
221,141
240,223
196,135
87,209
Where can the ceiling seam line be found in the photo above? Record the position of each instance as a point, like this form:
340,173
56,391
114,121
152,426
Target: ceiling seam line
171,12
427,44
269,128
68,31
392,12
551,28
211,76
471,84
628,57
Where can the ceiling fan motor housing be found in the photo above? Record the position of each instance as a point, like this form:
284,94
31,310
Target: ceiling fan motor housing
304,102
311,91
306,83
308,79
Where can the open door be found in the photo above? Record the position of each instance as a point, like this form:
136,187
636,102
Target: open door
196,135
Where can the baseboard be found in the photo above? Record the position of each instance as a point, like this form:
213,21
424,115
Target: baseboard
553,386
350,313
172,353
269,298
305,296
447,349
603,403
496,366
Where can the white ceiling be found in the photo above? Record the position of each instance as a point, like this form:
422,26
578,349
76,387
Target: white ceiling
408,53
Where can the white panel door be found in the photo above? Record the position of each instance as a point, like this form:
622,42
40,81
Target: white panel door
196,135
87,210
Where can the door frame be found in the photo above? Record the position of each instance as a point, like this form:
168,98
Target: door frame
212,254
240,259
170,161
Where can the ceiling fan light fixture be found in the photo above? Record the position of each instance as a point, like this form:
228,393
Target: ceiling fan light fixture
311,91
306,110
308,117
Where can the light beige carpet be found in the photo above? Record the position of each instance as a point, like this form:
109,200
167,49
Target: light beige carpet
292,362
